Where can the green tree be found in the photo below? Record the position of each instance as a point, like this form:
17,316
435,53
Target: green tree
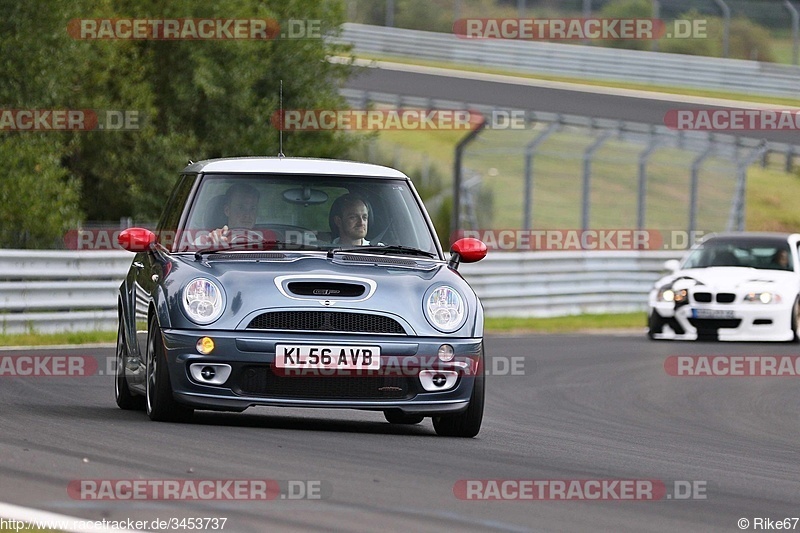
38,197
627,9
193,100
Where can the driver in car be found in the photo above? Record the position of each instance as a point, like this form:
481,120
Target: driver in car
241,208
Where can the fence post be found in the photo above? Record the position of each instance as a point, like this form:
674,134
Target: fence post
530,151
462,144
737,217
694,183
643,158
726,31
587,173
390,13
795,31
656,16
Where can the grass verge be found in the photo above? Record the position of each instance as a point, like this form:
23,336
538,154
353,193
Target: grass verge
69,337
566,324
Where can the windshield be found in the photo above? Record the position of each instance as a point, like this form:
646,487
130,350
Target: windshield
771,254
258,212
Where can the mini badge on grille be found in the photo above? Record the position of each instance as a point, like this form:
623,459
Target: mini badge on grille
327,302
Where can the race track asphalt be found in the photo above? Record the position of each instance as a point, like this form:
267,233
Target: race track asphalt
578,407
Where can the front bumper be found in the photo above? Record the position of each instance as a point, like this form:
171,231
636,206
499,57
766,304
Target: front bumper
254,380
744,321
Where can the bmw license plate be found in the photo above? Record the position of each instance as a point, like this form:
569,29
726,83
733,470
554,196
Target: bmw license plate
712,313
328,357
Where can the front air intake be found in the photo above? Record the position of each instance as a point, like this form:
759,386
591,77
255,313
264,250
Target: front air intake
326,289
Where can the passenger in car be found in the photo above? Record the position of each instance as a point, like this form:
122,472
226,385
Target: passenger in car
349,220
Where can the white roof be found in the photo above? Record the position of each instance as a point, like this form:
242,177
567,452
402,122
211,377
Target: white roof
293,165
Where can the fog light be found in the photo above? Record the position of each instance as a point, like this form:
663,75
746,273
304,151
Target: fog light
208,373
439,380
205,345
446,353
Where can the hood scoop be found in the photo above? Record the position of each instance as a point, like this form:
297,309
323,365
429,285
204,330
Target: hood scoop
326,289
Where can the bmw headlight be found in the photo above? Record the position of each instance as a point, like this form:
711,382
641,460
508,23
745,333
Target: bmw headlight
202,300
763,297
672,295
444,309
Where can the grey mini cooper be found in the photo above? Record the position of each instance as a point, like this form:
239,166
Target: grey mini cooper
300,283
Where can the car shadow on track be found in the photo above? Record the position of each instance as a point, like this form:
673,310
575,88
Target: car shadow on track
342,425
247,420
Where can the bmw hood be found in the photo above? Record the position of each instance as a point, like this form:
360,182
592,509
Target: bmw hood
728,278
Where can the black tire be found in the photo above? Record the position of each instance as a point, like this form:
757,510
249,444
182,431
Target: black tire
795,315
467,423
655,324
123,395
160,403
398,417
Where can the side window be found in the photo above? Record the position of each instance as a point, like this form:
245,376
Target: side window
168,225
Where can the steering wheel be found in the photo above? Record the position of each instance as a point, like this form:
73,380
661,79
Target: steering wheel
245,236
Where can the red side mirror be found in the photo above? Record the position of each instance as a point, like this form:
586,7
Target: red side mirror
467,250
136,239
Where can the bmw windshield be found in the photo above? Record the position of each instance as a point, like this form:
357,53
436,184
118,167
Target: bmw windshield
762,253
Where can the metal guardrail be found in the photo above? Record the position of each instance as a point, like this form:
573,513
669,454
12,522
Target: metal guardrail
49,291
544,284
589,62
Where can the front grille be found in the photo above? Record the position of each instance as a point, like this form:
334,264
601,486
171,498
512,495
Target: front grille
712,324
703,297
326,321
725,297
260,380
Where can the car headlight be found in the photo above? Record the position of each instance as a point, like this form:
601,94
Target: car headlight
444,309
763,297
671,295
202,300
666,295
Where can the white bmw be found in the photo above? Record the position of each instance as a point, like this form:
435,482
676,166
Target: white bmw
730,287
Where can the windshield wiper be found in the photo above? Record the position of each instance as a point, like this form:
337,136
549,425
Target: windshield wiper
239,245
383,250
